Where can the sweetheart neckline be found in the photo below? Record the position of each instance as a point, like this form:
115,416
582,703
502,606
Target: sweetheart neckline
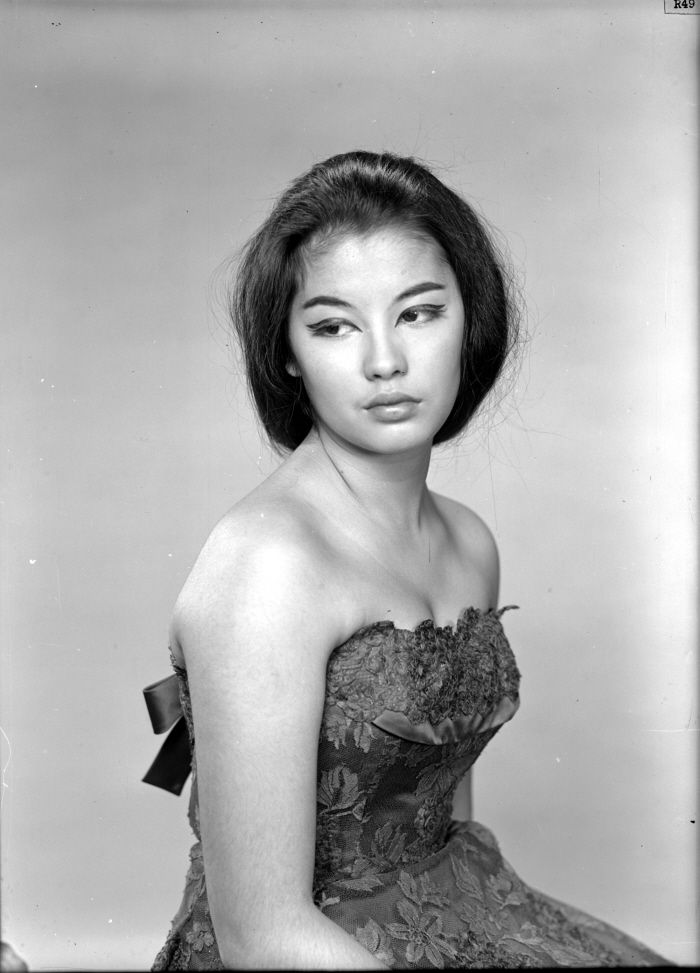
428,623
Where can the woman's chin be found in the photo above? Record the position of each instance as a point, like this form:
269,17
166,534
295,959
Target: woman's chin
383,439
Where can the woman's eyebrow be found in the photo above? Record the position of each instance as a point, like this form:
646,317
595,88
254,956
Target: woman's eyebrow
417,289
324,299
414,291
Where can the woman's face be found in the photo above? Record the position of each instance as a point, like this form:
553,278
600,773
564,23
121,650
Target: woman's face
376,329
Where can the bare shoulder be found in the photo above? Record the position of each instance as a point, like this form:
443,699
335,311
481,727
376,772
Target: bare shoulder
467,526
263,562
472,537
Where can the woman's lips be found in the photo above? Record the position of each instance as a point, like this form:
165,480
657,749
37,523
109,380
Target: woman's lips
389,398
392,407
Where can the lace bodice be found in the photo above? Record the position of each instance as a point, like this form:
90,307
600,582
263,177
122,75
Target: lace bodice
407,712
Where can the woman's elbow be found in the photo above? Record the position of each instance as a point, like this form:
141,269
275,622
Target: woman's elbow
266,945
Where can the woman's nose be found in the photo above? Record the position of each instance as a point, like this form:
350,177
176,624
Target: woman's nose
384,356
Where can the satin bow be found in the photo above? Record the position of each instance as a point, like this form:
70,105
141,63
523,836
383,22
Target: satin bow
173,763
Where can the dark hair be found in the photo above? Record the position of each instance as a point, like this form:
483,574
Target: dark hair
360,192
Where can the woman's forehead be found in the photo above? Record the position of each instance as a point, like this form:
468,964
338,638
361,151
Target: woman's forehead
388,254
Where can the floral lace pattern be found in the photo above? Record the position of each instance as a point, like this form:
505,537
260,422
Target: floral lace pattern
191,943
428,673
407,712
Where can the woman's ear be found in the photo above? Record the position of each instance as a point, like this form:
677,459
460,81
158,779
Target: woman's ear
292,368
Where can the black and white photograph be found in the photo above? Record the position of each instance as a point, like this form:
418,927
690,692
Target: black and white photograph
348,551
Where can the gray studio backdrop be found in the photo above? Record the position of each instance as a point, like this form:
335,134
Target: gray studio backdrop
142,143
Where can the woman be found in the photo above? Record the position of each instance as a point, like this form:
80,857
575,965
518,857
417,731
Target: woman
340,656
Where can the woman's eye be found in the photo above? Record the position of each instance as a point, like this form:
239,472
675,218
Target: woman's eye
331,329
422,313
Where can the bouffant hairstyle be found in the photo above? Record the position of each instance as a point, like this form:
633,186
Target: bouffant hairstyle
360,192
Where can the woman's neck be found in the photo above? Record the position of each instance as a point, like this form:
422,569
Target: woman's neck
388,489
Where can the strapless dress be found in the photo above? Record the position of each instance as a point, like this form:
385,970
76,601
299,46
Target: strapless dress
407,713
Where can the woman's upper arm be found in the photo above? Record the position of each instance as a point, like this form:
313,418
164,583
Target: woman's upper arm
256,645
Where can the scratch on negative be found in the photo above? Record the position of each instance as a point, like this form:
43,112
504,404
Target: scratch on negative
5,766
682,729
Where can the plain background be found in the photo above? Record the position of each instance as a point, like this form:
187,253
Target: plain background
142,143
